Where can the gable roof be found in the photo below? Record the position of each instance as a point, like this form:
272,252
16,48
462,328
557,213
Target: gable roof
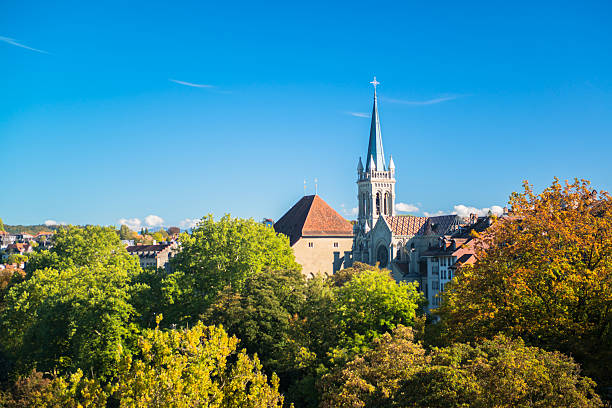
411,225
20,246
405,224
311,216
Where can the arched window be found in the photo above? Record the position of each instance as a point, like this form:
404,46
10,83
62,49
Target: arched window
361,204
385,204
382,256
389,204
377,203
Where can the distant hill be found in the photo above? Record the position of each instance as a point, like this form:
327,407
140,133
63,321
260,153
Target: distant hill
29,229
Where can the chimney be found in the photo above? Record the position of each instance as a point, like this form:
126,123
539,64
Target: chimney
473,218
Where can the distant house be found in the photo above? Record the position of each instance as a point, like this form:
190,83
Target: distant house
44,238
6,239
451,253
153,256
24,237
321,238
20,248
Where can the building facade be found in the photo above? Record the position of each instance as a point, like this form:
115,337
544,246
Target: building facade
153,256
321,238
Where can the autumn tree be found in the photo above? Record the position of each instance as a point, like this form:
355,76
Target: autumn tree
218,254
173,231
373,378
494,373
37,391
543,274
200,366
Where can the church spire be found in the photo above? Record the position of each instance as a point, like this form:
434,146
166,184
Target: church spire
375,147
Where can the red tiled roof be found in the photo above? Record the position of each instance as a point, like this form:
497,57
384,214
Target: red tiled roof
410,225
146,248
311,216
20,246
465,259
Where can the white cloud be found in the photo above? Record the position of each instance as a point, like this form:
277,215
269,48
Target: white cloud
154,220
188,223
465,211
404,207
359,114
191,84
428,214
16,44
132,223
422,103
349,212
51,223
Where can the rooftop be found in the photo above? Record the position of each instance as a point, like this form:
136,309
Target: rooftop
312,216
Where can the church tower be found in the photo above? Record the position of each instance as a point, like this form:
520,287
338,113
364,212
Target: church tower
375,181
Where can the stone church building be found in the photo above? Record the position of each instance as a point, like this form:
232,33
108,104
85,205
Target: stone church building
396,242
426,250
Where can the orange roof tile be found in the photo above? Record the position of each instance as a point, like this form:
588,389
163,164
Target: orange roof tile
311,216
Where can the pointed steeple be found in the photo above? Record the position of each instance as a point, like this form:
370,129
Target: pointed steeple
360,166
375,146
391,163
371,164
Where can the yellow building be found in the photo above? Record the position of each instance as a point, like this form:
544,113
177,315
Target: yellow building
320,237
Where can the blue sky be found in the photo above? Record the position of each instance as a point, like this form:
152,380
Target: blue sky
474,98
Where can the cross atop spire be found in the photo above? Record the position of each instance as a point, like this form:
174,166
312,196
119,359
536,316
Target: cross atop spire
375,146
374,82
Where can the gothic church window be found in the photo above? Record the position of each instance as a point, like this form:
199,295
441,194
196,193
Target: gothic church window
377,203
385,203
382,256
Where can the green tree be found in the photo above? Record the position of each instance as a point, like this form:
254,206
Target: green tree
17,259
357,306
545,275
124,232
78,317
84,246
261,314
220,254
1,225
342,316
494,373
158,236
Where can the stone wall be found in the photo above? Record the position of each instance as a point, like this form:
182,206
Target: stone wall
316,254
